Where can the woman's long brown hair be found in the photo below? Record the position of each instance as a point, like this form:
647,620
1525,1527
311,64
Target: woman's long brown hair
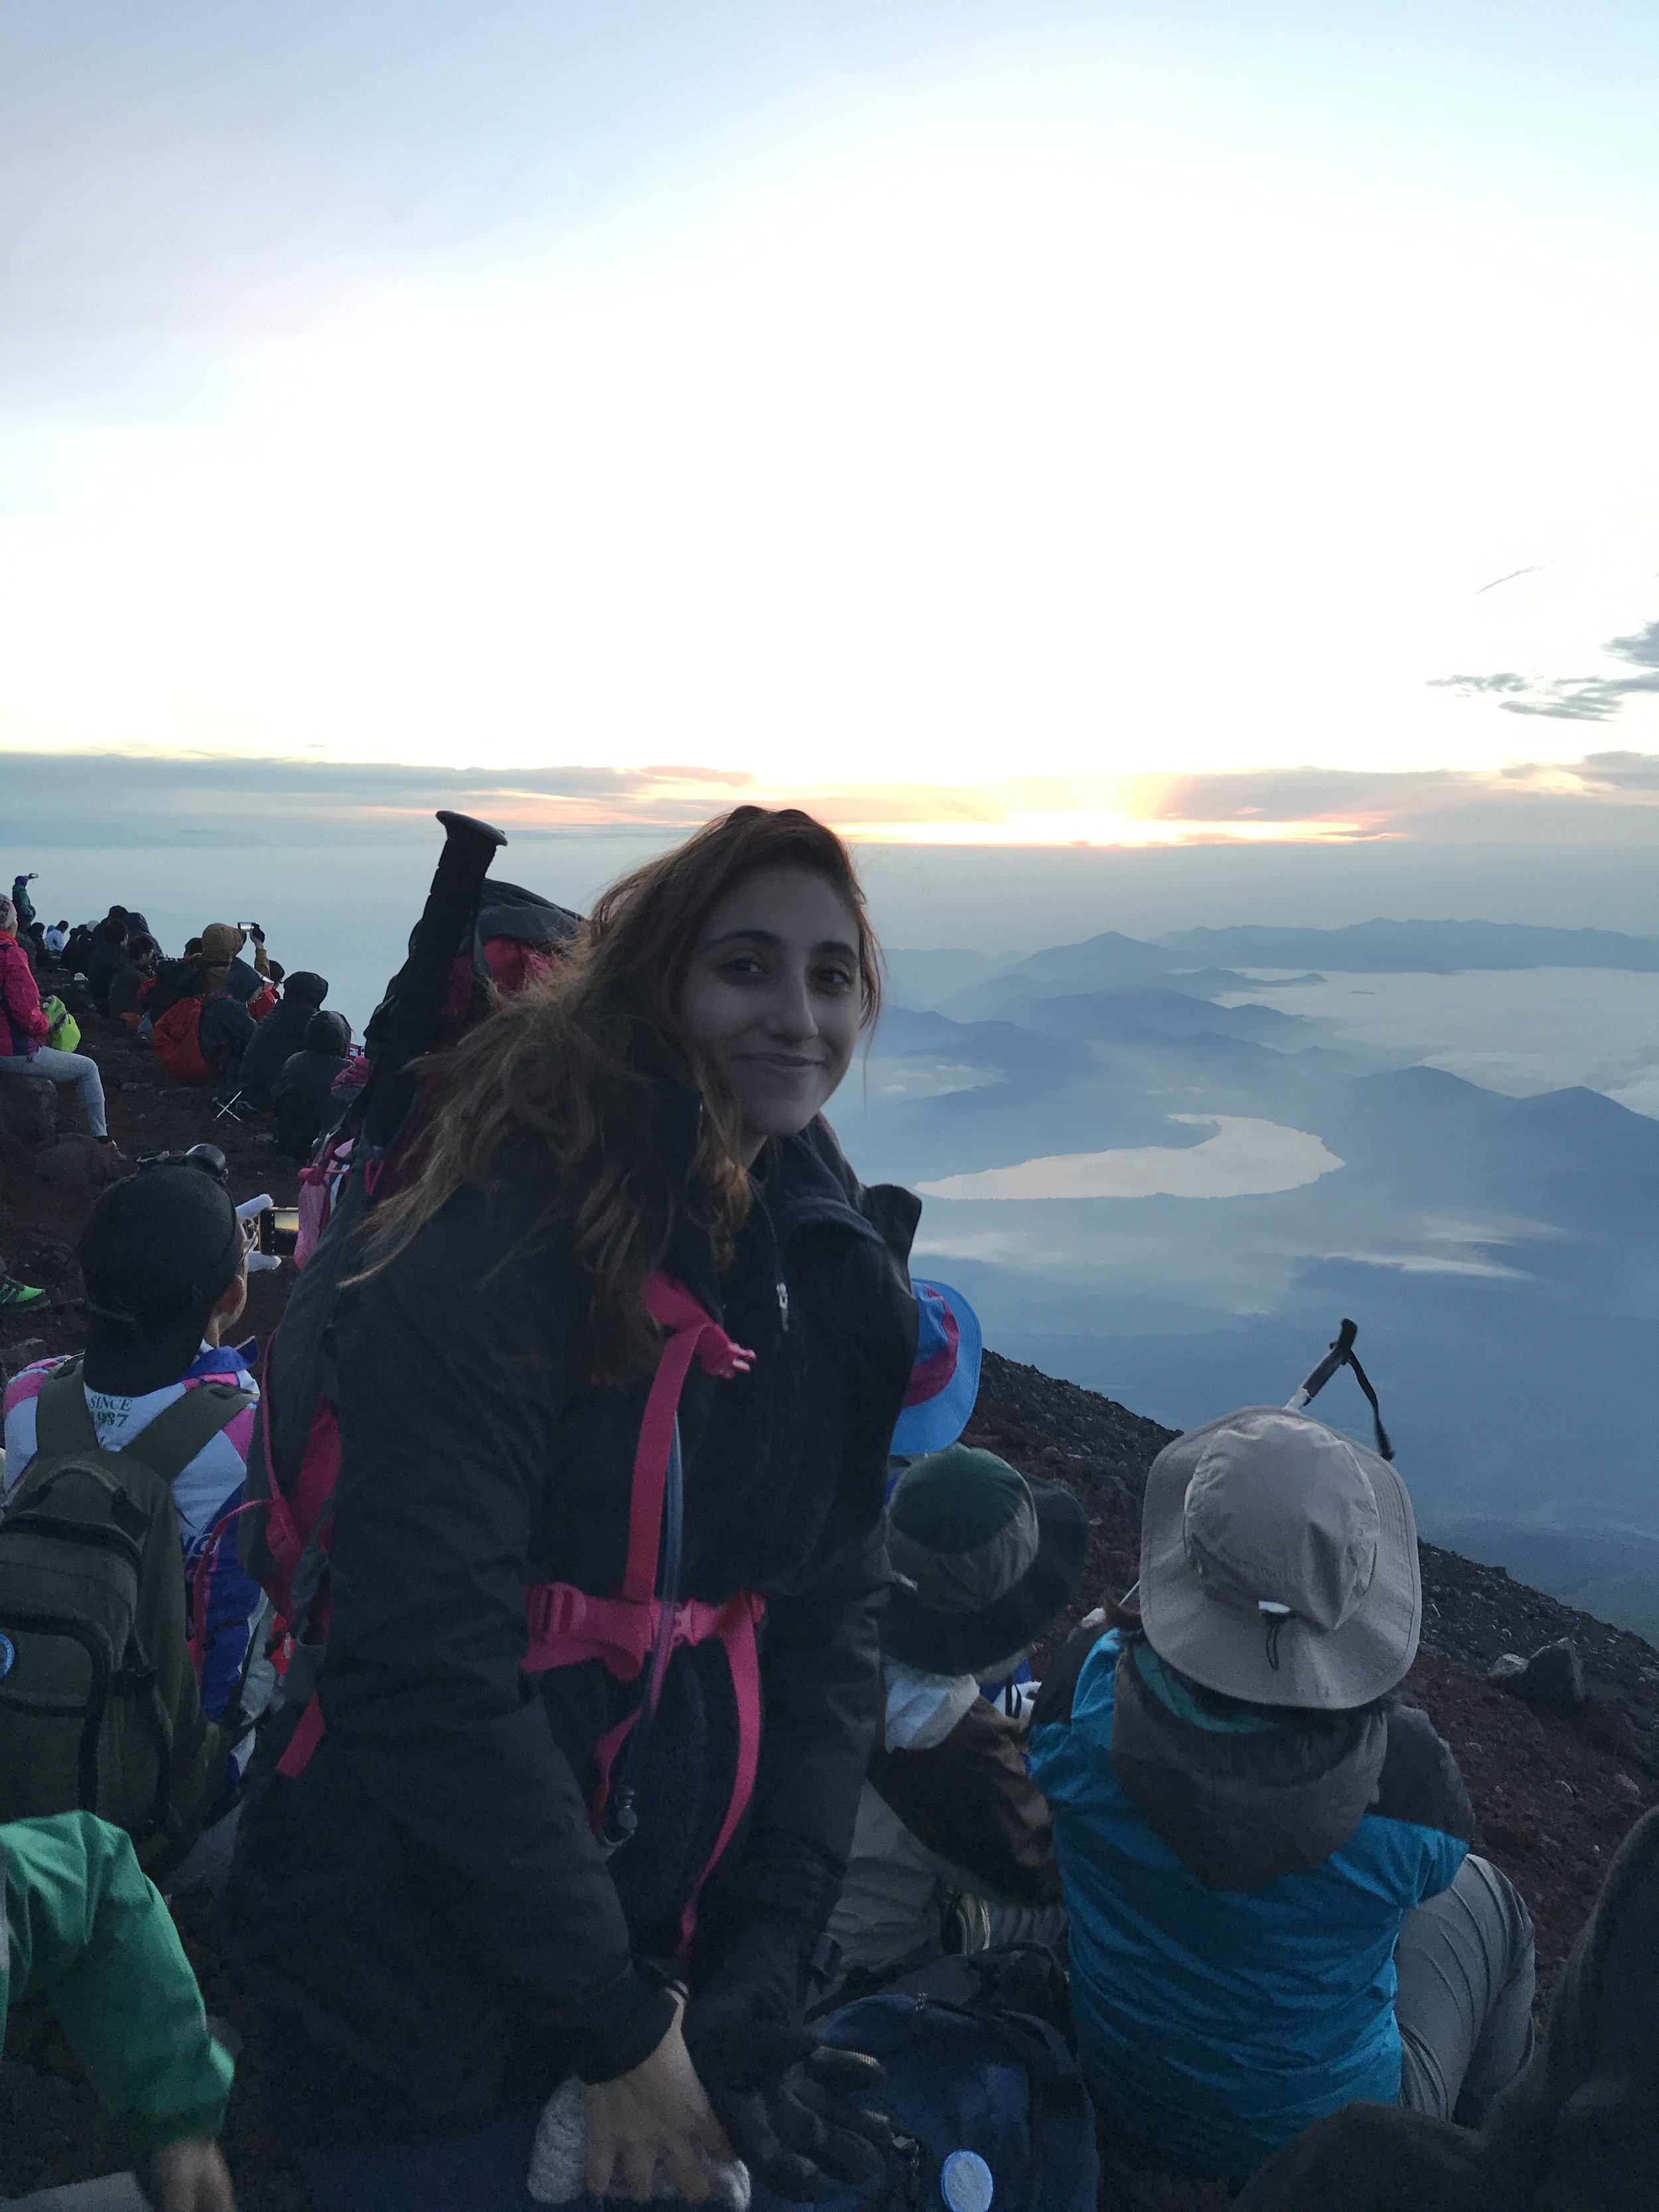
577,1061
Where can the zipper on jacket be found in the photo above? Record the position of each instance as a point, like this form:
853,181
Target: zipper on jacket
783,1304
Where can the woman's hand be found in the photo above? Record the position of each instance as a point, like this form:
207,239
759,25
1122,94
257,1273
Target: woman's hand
191,2177
659,2112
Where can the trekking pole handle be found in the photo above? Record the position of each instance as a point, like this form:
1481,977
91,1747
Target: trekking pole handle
1341,1354
470,846
1338,1356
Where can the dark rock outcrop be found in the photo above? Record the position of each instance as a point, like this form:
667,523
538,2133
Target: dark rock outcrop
1553,1679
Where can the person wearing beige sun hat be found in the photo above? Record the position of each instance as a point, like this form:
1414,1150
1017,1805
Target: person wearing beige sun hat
1264,1849
1279,1563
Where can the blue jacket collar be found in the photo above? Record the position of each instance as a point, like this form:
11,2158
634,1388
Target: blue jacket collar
224,1359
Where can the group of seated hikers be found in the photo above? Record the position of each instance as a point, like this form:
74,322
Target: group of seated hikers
597,1693
222,1015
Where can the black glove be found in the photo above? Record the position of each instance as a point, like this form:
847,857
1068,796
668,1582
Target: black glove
784,2098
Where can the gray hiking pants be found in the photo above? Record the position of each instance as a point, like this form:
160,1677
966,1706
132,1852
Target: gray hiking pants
1466,1967
65,1068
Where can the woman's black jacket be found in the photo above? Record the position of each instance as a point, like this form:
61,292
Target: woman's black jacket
433,1931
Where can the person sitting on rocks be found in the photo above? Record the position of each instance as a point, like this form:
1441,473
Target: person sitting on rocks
953,1850
56,935
134,980
207,1041
1273,1909
164,1263
24,1027
302,1093
280,1035
1576,2131
109,953
248,981
85,1929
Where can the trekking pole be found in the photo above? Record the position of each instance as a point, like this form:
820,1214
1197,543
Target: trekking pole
1341,1354
408,1018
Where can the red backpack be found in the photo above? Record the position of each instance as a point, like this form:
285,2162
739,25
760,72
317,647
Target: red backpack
177,1035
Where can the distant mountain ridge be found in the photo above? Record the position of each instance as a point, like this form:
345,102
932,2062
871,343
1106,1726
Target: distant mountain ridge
1205,962
1436,948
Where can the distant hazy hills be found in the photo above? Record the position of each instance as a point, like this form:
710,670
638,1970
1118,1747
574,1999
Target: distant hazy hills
1206,960
1497,1252
1425,947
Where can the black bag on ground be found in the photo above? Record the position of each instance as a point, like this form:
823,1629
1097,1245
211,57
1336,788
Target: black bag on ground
976,2059
99,1708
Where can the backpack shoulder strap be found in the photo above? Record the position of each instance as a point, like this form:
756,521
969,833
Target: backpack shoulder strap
167,1444
63,1419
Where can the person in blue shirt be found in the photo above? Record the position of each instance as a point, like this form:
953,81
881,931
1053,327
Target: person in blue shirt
1264,1852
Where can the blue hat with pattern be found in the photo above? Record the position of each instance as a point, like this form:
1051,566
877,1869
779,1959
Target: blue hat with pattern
944,1380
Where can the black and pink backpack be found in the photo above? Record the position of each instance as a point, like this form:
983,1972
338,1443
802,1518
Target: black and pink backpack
475,940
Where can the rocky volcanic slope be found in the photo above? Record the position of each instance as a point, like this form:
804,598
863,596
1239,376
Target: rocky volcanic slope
1554,1795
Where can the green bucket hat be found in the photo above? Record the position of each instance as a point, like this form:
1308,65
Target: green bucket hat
985,1557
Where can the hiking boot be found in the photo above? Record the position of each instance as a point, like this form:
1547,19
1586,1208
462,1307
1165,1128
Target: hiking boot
14,1296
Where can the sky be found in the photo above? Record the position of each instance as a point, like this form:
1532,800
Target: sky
1128,425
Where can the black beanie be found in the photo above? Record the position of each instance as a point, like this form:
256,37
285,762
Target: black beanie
160,1248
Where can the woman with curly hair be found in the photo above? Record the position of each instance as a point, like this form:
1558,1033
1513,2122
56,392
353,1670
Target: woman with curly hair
500,1868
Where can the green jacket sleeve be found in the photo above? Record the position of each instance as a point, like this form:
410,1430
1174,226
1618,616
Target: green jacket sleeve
86,1931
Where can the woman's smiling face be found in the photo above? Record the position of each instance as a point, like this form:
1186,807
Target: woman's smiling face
773,996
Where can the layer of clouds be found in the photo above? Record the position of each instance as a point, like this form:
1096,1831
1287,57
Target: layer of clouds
124,798
1601,798
1571,698
106,799
1621,771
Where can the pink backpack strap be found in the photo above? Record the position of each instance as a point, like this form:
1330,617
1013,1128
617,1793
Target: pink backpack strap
566,1625
690,1335
735,1627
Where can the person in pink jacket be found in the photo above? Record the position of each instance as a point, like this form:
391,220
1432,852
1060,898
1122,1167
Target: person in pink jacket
23,1028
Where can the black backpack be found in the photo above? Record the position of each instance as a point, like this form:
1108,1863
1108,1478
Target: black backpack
977,2068
99,1708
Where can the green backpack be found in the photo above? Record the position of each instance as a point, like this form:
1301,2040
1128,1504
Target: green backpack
64,1035
99,1709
